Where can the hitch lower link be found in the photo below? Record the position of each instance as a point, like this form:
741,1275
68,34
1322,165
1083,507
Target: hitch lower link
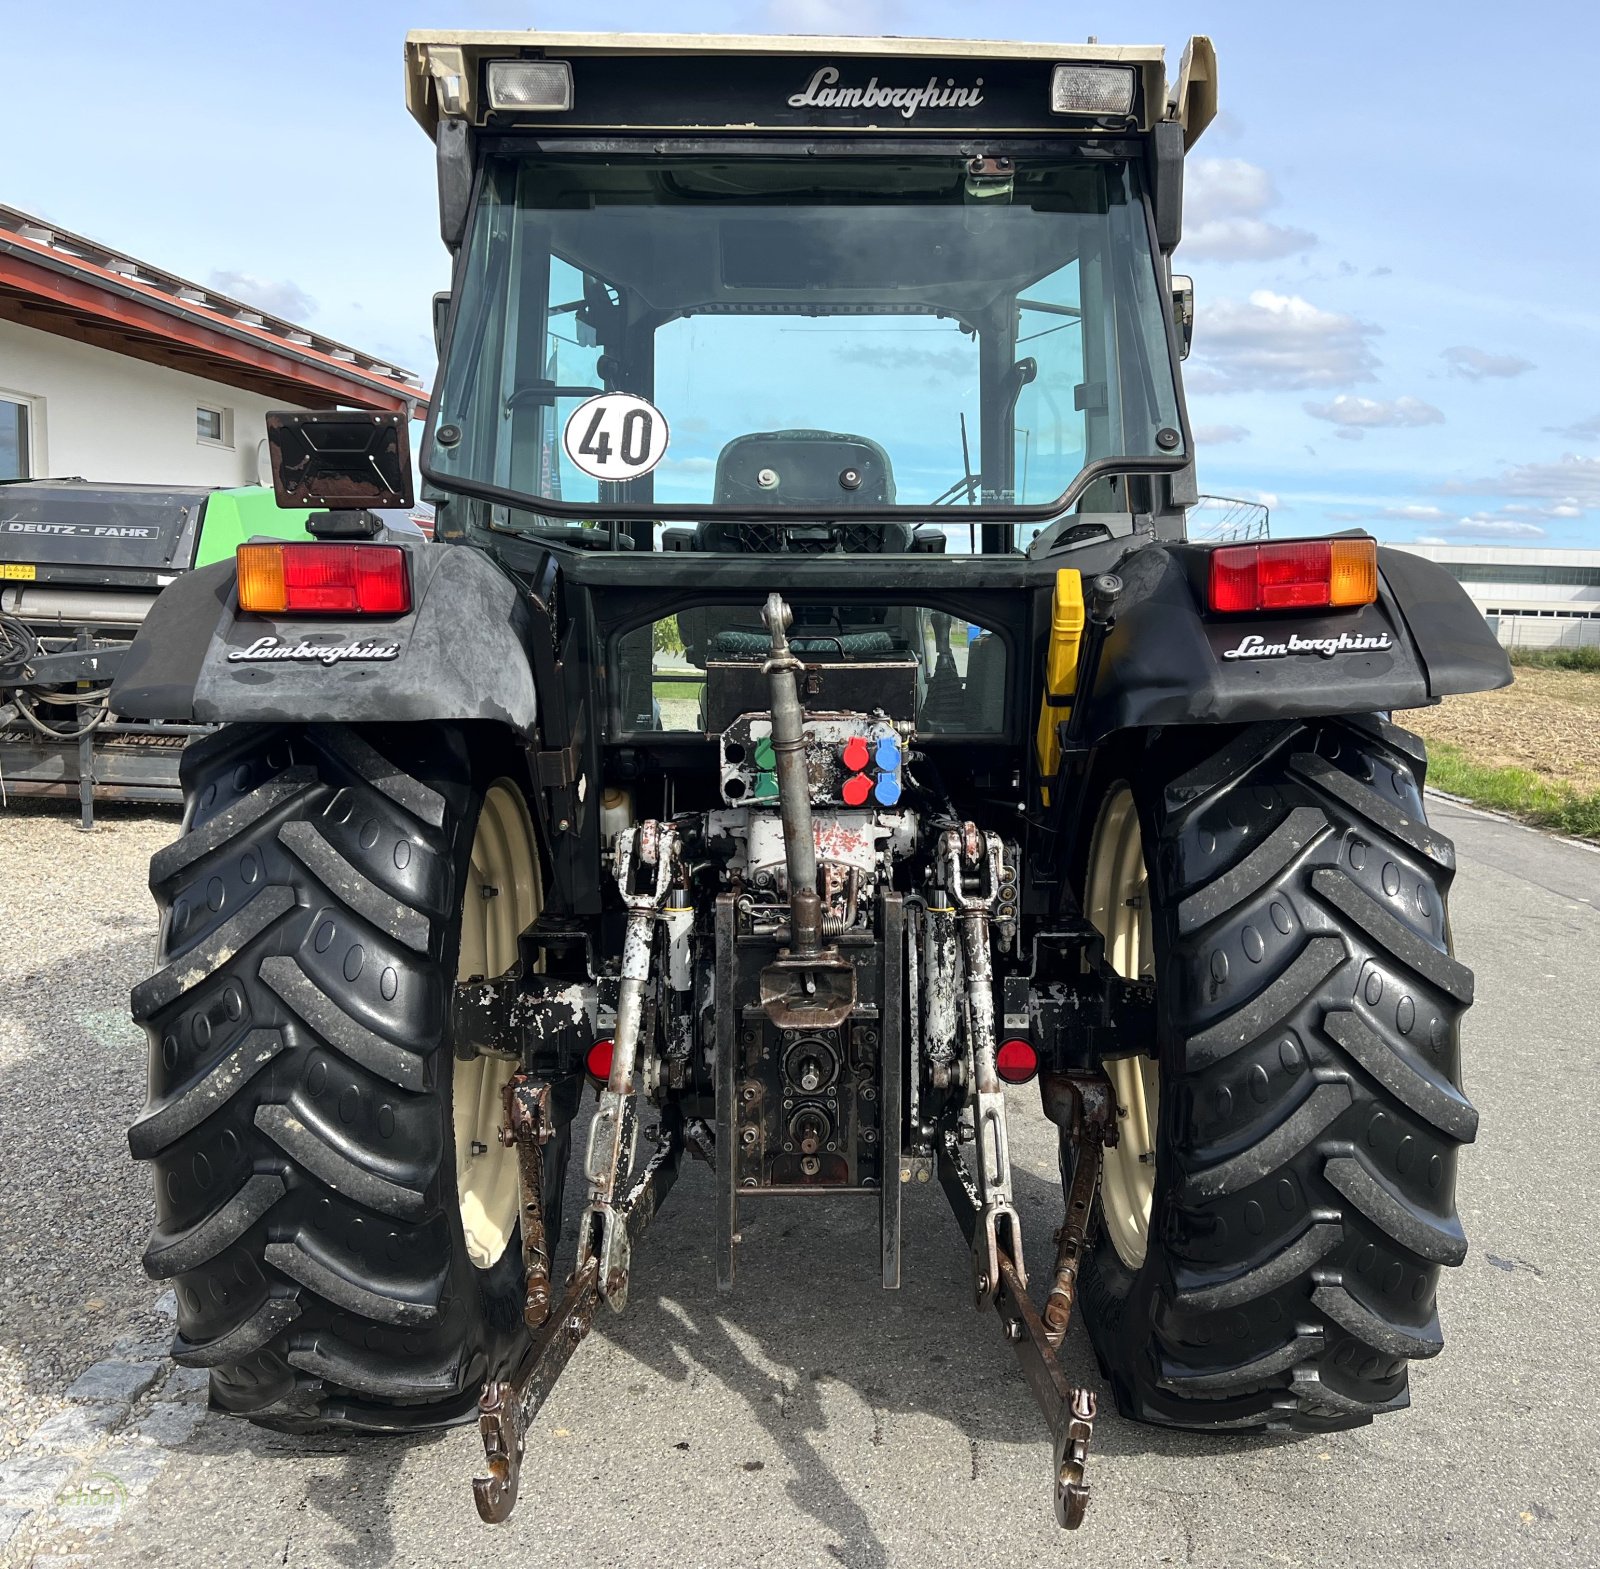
621,1203
1085,1109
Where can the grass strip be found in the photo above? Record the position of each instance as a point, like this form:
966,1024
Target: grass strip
1515,791
1585,658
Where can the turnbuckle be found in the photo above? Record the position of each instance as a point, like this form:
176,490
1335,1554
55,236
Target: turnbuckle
1085,1108
646,867
528,1127
979,888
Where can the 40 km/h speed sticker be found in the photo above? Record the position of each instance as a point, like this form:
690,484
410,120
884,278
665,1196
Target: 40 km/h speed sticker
616,436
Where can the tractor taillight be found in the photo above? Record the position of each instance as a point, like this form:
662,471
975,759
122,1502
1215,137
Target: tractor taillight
1294,574
317,579
598,1062
1016,1061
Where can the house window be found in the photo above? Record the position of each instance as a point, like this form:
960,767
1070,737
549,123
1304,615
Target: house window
213,427
13,439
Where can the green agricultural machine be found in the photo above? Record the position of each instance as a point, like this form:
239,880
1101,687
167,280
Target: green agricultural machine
80,566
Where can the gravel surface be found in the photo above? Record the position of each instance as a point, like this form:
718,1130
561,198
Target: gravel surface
79,930
1548,722
810,1418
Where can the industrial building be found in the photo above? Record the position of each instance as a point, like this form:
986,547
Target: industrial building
116,371
1531,597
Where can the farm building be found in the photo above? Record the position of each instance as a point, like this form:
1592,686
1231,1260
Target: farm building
1533,598
115,371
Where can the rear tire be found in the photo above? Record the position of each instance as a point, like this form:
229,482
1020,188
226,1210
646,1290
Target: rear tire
301,1079
1309,1098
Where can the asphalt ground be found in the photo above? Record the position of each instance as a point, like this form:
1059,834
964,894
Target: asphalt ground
811,1418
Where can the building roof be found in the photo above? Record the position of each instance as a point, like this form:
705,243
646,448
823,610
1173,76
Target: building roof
73,287
1507,555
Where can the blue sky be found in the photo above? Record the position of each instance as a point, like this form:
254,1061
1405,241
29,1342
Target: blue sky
1392,227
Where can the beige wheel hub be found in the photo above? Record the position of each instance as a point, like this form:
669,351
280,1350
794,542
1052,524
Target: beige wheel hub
502,897
1117,901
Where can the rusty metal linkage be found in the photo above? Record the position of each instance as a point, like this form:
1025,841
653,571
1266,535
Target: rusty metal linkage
1084,1106
528,1127
507,1407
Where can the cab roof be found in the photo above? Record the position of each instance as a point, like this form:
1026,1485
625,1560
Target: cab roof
444,69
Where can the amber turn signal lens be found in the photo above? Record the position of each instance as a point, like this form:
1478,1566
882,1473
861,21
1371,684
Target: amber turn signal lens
1354,578
261,585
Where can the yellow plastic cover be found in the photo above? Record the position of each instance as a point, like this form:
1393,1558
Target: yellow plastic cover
1060,667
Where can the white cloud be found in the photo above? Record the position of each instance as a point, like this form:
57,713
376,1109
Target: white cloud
1224,199
830,16
1583,430
273,297
1430,539
1375,413
1488,527
1267,498
1226,188
1475,364
1350,433
1412,514
1218,435
931,362
1572,483
1279,341
1243,239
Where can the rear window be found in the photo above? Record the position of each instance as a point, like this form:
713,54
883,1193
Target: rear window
688,673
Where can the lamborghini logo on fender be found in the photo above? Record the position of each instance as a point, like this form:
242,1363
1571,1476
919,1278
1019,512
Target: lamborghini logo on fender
312,653
1254,646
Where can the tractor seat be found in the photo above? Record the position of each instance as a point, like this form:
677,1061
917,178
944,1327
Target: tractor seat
804,468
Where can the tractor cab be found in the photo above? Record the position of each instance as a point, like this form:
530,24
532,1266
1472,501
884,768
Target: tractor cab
860,298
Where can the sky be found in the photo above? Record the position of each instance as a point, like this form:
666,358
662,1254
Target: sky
1392,226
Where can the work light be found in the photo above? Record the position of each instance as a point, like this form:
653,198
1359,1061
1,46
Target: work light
532,86
1091,89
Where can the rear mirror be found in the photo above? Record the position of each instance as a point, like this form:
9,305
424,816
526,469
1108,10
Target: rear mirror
441,314
342,460
1183,312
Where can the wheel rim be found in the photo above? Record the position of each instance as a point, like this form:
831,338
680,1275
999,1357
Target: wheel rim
501,898
1118,905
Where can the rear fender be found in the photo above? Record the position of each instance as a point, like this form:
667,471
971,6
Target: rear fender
1169,661
460,653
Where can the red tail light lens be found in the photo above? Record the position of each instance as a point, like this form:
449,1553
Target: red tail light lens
316,579
598,1062
1297,574
1016,1061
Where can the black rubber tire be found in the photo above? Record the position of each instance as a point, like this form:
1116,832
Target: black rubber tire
299,1121
1311,1107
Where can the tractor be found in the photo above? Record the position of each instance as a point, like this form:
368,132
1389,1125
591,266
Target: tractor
810,729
